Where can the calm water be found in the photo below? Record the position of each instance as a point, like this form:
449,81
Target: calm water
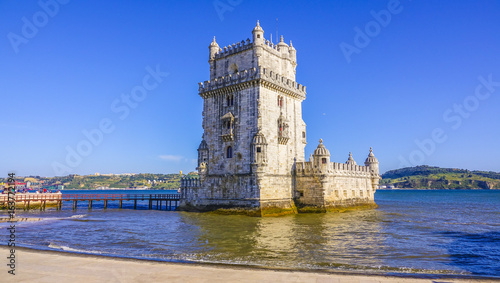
422,232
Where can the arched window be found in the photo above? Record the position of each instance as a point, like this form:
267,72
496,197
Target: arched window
229,152
230,100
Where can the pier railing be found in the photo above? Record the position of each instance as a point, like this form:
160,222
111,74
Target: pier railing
43,199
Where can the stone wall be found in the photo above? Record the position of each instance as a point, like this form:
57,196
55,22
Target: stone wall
337,185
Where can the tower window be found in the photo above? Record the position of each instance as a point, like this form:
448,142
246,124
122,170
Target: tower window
280,101
230,100
323,160
303,135
258,149
258,36
229,152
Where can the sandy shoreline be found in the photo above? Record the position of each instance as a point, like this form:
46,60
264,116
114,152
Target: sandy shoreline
55,266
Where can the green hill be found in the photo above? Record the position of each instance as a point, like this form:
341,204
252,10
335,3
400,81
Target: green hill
90,182
428,177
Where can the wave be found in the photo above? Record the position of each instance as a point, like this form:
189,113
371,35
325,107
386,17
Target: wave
68,249
77,216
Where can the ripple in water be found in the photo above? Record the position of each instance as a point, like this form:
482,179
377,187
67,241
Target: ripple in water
412,232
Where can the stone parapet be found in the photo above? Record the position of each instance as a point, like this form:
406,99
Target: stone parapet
266,77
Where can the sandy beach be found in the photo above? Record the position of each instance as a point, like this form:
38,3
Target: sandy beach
51,266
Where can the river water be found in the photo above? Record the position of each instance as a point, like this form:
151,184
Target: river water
412,232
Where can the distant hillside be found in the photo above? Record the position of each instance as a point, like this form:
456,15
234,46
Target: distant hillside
89,182
427,177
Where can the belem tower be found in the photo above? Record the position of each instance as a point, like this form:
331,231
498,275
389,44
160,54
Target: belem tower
251,157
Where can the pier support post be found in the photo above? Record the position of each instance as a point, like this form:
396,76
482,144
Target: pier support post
135,204
120,205
150,204
74,204
105,204
90,204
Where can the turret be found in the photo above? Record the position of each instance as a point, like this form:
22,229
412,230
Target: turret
350,160
202,153
321,156
283,48
293,56
258,35
372,162
214,49
259,151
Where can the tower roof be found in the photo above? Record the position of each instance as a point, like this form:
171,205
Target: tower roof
203,145
321,149
350,160
282,43
214,44
371,157
259,138
257,27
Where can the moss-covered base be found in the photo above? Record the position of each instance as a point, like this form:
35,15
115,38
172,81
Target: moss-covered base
268,210
278,211
335,209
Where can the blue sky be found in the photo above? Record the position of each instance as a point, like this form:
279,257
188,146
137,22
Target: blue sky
419,81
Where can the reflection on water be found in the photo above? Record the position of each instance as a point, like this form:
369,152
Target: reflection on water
305,240
426,232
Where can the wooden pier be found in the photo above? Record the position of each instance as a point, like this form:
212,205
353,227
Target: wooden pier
155,201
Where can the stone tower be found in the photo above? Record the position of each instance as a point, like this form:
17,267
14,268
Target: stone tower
251,156
253,127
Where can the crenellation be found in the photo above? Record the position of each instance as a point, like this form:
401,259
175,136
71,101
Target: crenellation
233,49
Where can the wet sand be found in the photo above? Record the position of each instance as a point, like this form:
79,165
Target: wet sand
53,266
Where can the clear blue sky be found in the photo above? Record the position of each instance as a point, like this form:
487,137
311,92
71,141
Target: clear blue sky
418,73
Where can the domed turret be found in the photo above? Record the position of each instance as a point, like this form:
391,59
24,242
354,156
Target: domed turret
259,138
283,48
202,153
203,145
350,160
214,49
293,52
282,43
259,149
321,155
372,162
258,34
321,150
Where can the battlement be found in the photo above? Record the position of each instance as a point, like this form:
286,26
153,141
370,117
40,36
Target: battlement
233,48
245,45
253,74
188,182
307,168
